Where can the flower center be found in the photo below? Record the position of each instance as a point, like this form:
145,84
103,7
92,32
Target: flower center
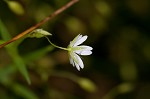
69,49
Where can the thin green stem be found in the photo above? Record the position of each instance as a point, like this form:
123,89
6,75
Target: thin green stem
56,45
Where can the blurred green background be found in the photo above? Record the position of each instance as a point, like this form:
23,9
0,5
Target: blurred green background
118,31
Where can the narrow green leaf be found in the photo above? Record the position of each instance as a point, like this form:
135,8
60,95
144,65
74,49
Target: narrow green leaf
22,68
3,31
13,52
19,63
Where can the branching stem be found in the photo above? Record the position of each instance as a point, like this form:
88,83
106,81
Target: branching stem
60,10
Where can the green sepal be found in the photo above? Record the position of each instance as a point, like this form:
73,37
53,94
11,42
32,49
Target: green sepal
38,33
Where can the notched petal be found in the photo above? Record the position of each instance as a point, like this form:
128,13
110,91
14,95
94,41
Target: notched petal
80,40
82,47
79,61
85,47
86,53
76,60
77,66
75,40
72,62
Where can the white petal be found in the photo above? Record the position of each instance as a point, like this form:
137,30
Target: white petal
79,37
86,53
77,60
71,61
81,48
80,40
86,47
77,66
83,52
75,40
80,62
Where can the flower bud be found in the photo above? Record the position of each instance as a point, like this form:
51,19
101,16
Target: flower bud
38,33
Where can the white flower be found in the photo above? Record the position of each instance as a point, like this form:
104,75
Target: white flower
75,50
